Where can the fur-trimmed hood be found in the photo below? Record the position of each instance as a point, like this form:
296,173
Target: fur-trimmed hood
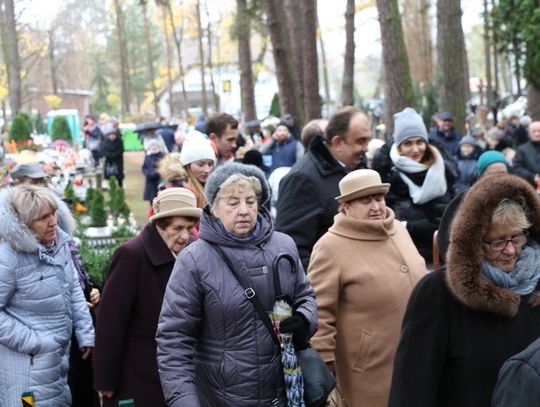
465,254
20,236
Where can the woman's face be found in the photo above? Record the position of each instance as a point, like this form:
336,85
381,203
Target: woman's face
238,210
202,169
372,207
45,225
414,148
176,234
507,257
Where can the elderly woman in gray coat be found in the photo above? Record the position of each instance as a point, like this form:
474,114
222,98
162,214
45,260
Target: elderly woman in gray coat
41,301
213,349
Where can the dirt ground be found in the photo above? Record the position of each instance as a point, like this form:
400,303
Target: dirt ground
134,185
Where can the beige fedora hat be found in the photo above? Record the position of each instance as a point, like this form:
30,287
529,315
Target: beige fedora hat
175,202
360,183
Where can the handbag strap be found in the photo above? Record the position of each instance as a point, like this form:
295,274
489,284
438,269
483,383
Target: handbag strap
251,295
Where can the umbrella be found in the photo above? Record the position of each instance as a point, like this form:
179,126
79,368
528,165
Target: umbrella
147,126
292,374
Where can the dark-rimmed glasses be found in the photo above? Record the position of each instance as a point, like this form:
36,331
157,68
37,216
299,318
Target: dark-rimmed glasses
500,245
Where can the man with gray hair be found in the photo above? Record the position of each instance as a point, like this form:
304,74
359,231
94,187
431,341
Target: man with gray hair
306,206
526,162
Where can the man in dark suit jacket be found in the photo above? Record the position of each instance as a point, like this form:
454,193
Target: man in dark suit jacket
306,204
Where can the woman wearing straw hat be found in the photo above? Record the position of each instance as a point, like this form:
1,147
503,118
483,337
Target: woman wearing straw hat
363,271
125,364
213,348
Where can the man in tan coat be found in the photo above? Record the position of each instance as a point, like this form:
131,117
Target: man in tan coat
363,271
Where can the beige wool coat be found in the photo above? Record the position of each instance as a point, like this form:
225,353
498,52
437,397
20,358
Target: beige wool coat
363,273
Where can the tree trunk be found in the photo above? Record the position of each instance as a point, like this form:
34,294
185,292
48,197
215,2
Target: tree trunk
450,50
347,85
151,71
178,37
210,64
122,51
52,63
533,99
417,31
204,102
398,90
294,22
247,88
324,64
312,100
288,98
12,57
487,54
169,59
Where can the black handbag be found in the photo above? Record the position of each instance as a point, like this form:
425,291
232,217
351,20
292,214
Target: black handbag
318,379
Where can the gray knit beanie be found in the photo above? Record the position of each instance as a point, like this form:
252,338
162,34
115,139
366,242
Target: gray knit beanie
221,174
407,124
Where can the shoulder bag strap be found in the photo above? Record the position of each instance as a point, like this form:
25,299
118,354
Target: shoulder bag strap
251,295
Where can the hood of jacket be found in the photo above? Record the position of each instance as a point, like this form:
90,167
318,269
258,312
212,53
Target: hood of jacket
465,253
360,229
20,236
213,231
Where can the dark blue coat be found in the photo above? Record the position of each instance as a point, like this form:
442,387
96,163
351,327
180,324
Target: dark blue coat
151,176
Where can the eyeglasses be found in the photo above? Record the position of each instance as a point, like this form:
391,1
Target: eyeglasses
500,245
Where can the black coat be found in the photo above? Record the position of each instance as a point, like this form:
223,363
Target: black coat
151,176
306,206
526,162
113,151
519,379
422,220
125,354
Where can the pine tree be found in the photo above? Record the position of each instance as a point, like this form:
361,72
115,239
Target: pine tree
97,209
19,129
60,129
39,124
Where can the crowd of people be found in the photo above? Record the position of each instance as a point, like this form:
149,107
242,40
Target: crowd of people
412,268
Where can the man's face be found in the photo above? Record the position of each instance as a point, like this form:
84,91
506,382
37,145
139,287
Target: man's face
534,131
352,148
227,141
447,125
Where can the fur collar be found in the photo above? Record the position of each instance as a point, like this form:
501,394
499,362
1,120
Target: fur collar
465,254
20,236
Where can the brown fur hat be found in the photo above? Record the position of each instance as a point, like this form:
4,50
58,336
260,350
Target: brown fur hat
465,253
170,167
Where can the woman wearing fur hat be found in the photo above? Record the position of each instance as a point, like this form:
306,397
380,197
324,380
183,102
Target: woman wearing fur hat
199,159
421,180
463,321
213,348
41,300
125,364
363,271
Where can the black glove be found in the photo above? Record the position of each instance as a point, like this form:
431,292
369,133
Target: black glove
421,228
298,325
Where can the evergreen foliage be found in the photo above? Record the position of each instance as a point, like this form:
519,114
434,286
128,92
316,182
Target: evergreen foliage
60,129
20,130
39,125
117,203
69,194
98,216
274,107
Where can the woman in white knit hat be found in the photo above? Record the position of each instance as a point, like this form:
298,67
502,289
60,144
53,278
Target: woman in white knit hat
198,158
421,180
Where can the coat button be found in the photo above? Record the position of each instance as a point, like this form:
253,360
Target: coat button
404,269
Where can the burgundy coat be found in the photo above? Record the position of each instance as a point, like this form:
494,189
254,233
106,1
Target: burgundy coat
125,353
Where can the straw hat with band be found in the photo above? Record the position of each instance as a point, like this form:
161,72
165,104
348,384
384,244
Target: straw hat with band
175,202
361,183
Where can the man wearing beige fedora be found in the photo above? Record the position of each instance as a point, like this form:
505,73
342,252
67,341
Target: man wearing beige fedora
363,271
306,205
125,364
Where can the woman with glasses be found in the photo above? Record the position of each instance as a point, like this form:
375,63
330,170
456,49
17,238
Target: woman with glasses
463,321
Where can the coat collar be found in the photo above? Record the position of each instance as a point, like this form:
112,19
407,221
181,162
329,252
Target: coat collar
364,229
465,254
323,160
154,246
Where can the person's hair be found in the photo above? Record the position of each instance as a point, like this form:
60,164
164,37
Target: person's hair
170,167
164,223
196,187
27,201
511,212
310,130
218,123
429,157
239,180
338,125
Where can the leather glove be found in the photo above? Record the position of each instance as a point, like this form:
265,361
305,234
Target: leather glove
298,325
421,228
